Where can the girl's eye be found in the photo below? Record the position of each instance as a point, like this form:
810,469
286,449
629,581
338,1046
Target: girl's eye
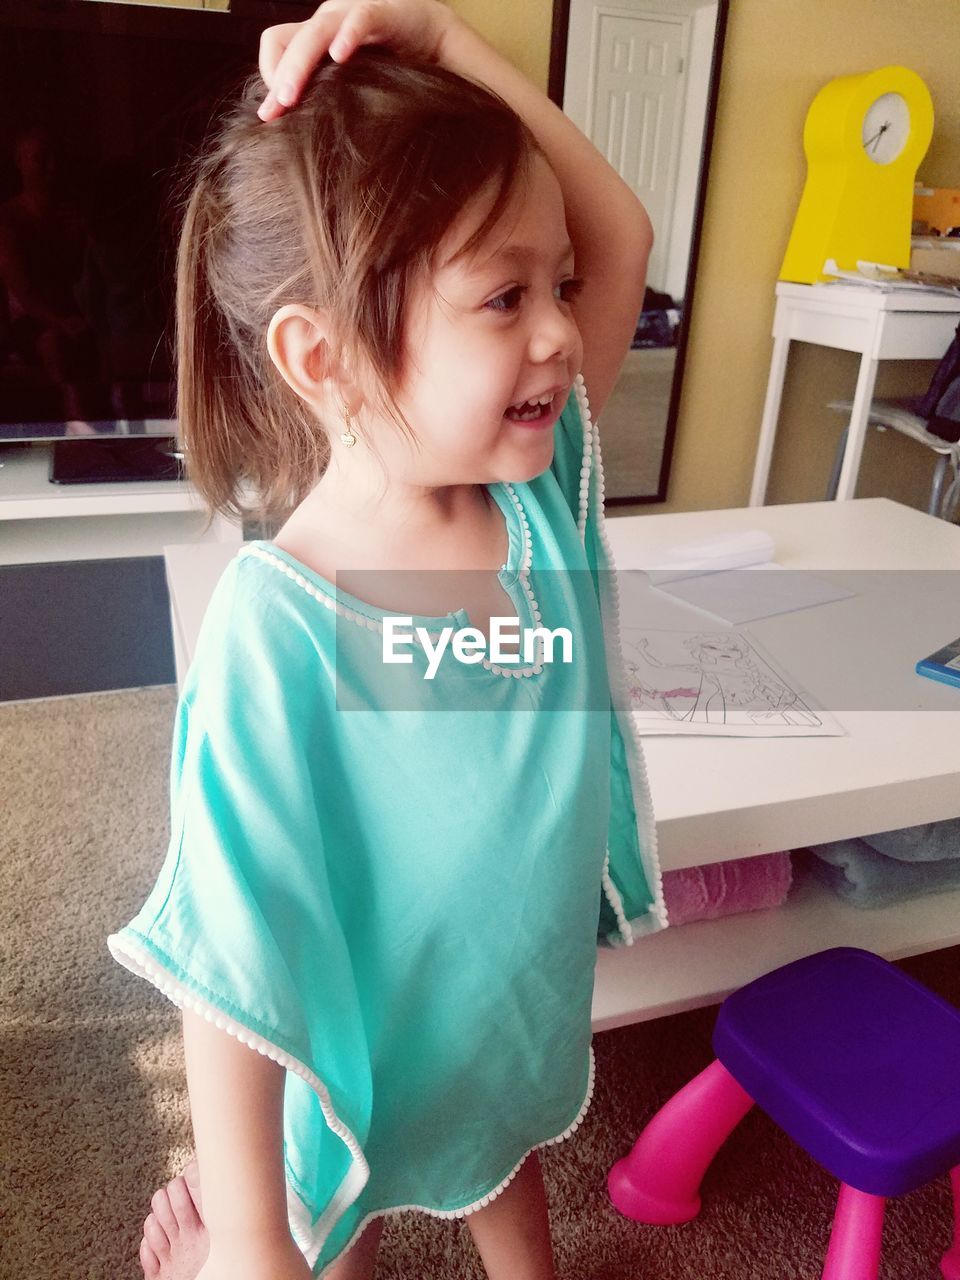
567,290
511,298
507,301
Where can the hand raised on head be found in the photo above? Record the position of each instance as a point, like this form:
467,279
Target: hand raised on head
291,51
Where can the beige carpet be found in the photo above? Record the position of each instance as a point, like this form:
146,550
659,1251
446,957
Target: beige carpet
93,1102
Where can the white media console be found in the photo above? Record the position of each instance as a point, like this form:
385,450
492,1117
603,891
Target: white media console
41,522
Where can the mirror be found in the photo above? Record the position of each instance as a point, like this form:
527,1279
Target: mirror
640,79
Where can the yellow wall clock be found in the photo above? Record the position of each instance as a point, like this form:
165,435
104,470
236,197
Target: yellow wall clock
864,138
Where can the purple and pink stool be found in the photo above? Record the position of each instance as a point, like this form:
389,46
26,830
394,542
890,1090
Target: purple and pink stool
854,1060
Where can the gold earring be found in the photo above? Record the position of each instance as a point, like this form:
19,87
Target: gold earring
348,437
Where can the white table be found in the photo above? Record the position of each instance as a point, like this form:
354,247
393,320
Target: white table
880,326
721,798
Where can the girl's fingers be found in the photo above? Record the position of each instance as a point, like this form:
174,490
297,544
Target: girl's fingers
289,53
268,108
273,41
368,22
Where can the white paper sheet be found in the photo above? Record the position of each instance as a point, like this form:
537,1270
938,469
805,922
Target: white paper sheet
728,577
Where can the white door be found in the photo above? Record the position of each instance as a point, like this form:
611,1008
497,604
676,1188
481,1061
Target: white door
627,87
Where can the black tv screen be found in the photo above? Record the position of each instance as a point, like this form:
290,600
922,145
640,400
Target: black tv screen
103,103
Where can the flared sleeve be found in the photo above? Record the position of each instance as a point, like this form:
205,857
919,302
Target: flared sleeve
632,902
246,924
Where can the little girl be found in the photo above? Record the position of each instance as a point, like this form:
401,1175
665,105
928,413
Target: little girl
392,887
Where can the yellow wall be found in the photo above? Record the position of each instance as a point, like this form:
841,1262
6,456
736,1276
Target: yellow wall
520,29
778,53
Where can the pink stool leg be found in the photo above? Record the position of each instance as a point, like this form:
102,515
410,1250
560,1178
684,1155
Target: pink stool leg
854,1252
950,1262
659,1181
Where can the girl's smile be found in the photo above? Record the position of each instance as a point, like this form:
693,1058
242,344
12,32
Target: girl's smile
541,411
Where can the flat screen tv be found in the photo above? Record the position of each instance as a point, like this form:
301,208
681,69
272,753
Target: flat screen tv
103,101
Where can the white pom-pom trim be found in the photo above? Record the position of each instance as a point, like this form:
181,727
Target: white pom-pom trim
311,1233
636,765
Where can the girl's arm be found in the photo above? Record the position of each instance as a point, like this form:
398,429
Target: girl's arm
608,225
236,1105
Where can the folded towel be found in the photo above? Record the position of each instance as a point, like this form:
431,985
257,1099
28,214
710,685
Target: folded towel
866,878
725,888
931,842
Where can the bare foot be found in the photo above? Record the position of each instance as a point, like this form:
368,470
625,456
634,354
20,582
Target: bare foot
174,1244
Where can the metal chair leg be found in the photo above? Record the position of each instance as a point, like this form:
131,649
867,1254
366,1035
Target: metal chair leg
834,481
936,491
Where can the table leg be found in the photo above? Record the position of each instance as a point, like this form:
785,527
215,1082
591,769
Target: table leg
857,430
226,530
768,423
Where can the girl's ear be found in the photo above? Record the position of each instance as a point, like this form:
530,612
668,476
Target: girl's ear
301,344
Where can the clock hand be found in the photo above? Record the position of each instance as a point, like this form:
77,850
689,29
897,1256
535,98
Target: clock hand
871,142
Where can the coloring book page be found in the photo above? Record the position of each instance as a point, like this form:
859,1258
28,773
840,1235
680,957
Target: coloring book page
715,683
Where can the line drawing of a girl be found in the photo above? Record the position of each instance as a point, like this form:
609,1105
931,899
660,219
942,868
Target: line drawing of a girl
729,685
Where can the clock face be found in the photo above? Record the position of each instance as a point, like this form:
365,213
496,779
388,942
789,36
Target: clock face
886,128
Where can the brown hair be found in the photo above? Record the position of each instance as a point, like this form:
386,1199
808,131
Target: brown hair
340,204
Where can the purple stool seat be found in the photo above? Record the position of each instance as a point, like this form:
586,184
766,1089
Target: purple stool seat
857,1062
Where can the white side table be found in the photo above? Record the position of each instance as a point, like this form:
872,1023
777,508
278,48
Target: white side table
881,326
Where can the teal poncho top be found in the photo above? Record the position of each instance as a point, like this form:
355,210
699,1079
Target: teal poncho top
394,886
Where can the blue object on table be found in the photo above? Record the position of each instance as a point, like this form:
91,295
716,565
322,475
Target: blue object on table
936,671
943,665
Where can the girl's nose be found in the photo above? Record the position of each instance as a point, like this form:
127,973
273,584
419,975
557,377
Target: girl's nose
554,335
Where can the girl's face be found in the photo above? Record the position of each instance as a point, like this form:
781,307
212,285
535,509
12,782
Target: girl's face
717,654
492,347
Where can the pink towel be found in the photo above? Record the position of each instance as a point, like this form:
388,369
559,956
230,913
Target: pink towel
724,888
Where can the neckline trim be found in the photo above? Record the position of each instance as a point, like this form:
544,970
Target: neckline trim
370,617
350,606
510,574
